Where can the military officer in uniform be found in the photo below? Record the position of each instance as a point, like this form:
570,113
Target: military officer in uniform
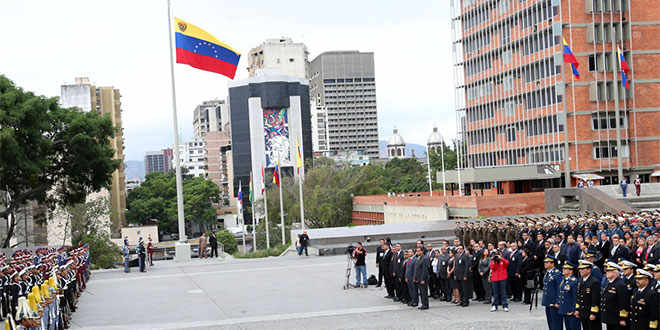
459,232
588,297
628,275
568,297
644,303
551,282
614,299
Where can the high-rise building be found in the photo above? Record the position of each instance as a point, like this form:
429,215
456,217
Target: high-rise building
524,118
344,84
220,170
158,161
270,116
283,55
319,129
193,157
210,116
105,100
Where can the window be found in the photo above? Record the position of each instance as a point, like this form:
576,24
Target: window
506,57
592,63
607,149
607,120
511,133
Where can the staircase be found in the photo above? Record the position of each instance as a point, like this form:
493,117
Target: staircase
649,199
643,202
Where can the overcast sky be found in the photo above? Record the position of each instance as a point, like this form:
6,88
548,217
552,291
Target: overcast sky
123,43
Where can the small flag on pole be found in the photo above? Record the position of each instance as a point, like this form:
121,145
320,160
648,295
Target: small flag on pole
240,196
569,57
263,181
624,69
201,50
298,156
251,194
276,178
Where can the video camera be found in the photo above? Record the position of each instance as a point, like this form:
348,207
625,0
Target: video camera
350,249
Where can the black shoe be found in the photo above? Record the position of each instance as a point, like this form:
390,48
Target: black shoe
413,305
388,297
486,302
378,286
465,305
423,307
396,299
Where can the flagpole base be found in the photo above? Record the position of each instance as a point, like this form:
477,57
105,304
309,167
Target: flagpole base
181,252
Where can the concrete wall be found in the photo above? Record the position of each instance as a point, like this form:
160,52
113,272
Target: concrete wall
586,199
402,214
133,233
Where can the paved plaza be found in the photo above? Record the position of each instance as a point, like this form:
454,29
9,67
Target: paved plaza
276,293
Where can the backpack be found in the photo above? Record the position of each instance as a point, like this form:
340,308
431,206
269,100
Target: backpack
372,280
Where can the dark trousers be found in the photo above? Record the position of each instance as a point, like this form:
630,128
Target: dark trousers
389,285
553,318
589,324
464,288
615,326
478,285
423,290
303,247
405,291
433,285
398,289
142,257
516,287
571,322
214,250
412,291
487,288
444,288
380,275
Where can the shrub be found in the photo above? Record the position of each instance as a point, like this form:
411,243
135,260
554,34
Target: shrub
102,252
228,241
272,252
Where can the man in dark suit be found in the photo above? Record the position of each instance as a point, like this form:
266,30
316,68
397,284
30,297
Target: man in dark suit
588,297
513,272
385,263
409,279
379,258
604,247
213,240
619,251
421,278
462,275
397,263
652,254
443,264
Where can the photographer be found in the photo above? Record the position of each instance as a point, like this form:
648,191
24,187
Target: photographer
498,277
359,255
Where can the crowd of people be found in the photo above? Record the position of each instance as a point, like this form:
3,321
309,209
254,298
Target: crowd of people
590,268
39,289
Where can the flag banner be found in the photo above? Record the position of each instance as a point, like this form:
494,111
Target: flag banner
276,177
569,57
240,196
251,196
263,181
624,69
299,160
203,51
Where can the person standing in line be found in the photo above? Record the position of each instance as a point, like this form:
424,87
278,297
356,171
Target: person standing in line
150,250
568,297
614,299
304,242
409,279
385,264
213,239
498,277
443,279
202,246
126,252
624,186
588,297
644,303
550,299
359,255
461,275
484,272
421,278
141,252
638,185
380,250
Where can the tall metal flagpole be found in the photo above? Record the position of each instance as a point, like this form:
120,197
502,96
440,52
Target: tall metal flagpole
254,229
301,176
444,181
428,166
240,214
266,212
182,249
279,177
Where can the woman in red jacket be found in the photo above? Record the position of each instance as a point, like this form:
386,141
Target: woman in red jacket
498,276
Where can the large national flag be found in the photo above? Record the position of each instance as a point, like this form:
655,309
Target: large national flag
276,178
569,57
298,156
201,50
624,68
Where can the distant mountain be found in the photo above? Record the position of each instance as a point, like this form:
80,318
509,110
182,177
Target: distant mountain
134,169
420,150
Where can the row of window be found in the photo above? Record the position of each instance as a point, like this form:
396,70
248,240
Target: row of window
346,80
350,90
350,96
536,155
532,127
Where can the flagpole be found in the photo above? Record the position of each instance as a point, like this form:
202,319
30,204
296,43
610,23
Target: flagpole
266,214
279,177
180,255
240,214
254,231
428,166
301,176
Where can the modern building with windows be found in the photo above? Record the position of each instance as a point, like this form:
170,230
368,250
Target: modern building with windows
283,55
193,158
158,161
343,84
524,120
210,116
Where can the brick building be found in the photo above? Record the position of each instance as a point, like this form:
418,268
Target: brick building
519,107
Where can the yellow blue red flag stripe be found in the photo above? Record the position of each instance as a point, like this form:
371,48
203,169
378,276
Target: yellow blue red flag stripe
569,57
201,50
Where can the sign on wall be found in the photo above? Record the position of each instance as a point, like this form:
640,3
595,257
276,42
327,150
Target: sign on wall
276,136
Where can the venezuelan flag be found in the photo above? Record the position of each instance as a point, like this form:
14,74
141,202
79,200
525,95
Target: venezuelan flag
276,177
624,69
298,156
201,50
569,57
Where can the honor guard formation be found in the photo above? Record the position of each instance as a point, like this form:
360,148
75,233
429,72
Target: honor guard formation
592,268
40,288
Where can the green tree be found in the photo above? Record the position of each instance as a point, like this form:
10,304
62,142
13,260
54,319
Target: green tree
436,162
228,241
155,198
49,154
103,253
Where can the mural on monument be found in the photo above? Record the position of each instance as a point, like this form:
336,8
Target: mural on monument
276,136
